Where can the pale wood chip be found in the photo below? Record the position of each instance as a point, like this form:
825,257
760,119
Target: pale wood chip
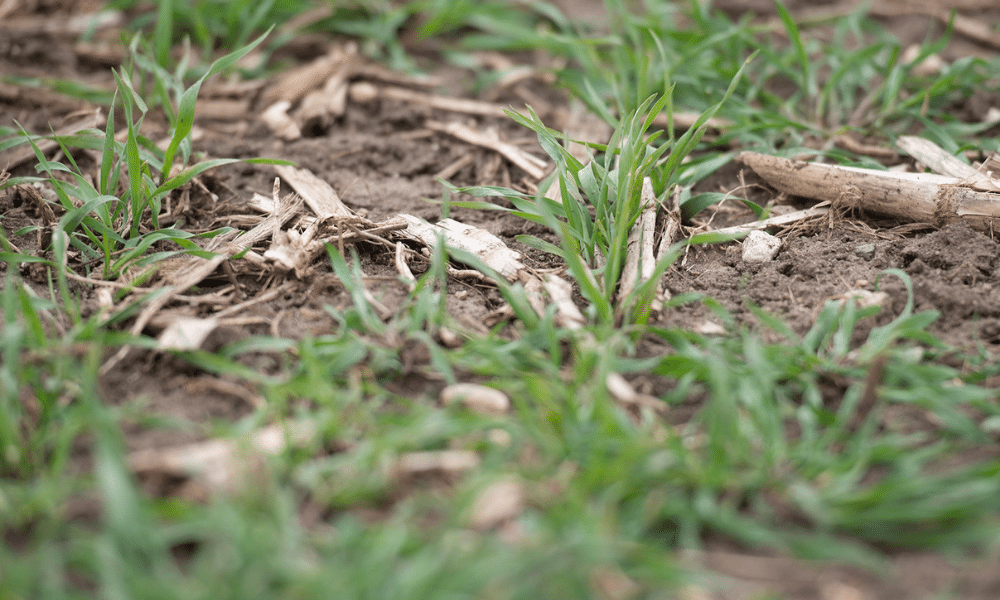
261,203
535,292
709,328
279,122
930,66
864,298
186,333
498,503
477,398
448,462
223,464
623,392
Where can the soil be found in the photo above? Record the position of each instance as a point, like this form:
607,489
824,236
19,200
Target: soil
383,160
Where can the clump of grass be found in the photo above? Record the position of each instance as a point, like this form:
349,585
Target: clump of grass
105,220
601,199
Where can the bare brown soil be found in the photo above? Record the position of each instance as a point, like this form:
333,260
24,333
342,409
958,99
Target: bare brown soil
382,159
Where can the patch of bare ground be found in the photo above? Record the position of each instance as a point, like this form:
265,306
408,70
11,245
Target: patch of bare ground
953,272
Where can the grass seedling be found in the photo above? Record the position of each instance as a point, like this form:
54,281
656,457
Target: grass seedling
212,24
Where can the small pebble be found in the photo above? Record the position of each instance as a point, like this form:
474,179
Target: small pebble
865,251
760,247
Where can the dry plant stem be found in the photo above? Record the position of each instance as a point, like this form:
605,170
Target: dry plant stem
318,194
971,28
379,73
320,104
914,197
561,292
639,261
22,154
305,19
684,120
974,29
403,268
222,109
623,391
671,230
449,171
366,92
383,311
782,221
290,250
295,251
394,224
7,7
301,80
671,224
72,27
330,101
847,142
445,462
937,159
228,388
532,165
